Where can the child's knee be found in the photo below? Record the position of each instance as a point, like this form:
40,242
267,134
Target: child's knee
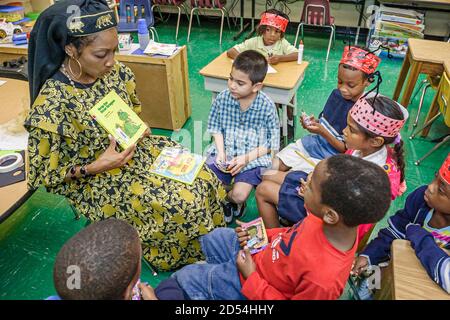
239,196
263,190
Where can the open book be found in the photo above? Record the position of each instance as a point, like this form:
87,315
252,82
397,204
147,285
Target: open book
116,117
178,163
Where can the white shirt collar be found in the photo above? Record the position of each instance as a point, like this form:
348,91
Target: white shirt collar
379,157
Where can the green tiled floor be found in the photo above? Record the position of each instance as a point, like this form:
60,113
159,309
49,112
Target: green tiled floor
31,238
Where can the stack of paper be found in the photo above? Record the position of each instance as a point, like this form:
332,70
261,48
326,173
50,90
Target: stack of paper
163,49
393,26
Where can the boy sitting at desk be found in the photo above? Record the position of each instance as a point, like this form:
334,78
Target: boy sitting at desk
425,221
244,124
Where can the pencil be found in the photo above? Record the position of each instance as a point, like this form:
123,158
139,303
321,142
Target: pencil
312,164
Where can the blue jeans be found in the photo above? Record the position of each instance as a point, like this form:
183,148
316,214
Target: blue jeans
218,278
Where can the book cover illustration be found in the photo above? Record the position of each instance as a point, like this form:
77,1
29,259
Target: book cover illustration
116,117
178,164
258,235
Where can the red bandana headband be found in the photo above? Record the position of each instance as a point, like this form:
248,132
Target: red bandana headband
274,20
360,59
444,172
363,113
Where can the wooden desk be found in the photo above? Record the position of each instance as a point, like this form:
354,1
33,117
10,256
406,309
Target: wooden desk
162,84
406,279
434,108
423,56
14,94
281,87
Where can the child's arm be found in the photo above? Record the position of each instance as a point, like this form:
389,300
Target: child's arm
432,257
232,53
379,249
283,58
218,141
317,128
239,162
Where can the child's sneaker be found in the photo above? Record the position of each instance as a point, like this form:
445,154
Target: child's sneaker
228,211
239,210
364,292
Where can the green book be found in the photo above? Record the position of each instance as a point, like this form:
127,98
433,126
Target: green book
116,117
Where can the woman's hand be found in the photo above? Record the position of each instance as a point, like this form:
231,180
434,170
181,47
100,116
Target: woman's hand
245,263
242,234
111,159
146,133
236,164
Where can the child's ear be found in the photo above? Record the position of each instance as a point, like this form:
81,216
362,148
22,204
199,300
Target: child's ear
257,87
330,216
377,142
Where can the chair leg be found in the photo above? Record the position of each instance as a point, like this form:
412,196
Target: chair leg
154,33
221,25
190,24
186,11
421,104
296,34
198,17
178,23
302,32
447,138
429,123
329,43
419,88
227,14
334,36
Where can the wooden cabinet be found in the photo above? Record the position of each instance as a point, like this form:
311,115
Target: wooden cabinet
162,85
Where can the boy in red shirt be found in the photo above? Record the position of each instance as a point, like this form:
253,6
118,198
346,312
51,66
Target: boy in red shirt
312,259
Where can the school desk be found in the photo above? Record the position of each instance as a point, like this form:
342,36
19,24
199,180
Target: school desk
281,87
162,84
15,96
434,108
422,56
406,279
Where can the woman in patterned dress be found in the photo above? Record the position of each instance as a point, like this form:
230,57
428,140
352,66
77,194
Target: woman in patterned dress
71,68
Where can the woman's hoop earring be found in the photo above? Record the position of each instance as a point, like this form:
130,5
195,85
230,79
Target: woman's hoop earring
79,66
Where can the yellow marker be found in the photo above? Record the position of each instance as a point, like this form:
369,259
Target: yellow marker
312,164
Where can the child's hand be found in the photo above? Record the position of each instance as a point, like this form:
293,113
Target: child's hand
311,120
274,59
236,164
147,292
315,126
242,234
221,158
359,265
245,263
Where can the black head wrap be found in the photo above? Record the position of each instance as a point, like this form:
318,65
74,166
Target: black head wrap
53,29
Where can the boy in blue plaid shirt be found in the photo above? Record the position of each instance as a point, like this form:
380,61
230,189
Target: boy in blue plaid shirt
244,124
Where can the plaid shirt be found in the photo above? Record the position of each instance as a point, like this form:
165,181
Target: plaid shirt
243,132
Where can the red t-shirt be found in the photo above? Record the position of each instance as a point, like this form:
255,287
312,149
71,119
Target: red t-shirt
299,263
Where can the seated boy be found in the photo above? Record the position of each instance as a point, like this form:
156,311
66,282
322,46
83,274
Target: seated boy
355,73
312,259
103,262
244,124
425,221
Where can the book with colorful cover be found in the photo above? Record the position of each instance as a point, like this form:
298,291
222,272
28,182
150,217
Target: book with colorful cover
178,164
258,235
118,119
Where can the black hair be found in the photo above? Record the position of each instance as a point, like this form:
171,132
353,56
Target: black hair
81,42
107,255
356,189
370,77
253,64
261,29
391,109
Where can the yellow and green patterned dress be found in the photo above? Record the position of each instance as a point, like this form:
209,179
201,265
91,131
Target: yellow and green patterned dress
169,215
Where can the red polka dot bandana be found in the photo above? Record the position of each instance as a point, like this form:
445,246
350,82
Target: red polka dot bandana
444,172
360,59
365,115
273,20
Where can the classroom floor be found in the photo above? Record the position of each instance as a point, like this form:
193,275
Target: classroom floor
33,235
